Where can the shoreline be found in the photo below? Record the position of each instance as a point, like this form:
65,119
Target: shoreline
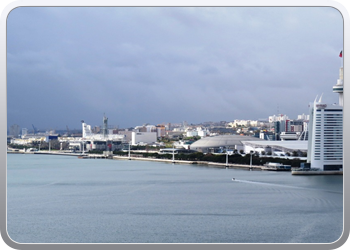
203,163
207,163
115,157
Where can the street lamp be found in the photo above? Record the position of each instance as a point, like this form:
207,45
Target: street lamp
173,153
251,155
226,158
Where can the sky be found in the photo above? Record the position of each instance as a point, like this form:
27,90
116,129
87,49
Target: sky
158,65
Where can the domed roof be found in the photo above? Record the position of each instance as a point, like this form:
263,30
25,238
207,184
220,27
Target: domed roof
221,141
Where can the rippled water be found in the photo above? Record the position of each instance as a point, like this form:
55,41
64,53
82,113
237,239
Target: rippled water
63,199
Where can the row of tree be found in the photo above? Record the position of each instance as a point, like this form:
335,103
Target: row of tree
220,158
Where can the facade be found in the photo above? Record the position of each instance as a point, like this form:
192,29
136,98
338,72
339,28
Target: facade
106,134
326,136
276,147
160,130
143,137
210,143
325,144
275,118
14,130
24,131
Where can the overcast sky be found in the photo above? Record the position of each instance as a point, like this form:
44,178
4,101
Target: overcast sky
158,65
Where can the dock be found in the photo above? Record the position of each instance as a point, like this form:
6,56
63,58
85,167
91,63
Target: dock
305,172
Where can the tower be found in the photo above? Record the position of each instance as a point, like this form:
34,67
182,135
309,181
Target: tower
105,126
325,144
338,88
86,129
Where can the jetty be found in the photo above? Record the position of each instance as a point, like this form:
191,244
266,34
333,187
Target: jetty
316,172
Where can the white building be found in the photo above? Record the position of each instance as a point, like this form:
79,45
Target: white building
303,117
143,137
325,143
278,118
325,136
107,135
191,133
24,132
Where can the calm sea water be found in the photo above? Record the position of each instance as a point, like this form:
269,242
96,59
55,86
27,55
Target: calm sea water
63,199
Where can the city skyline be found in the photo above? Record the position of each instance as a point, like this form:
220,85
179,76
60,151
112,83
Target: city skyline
39,129
156,65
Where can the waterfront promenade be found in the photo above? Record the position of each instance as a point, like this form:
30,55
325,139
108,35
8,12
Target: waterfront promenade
140,158
211,164
99,156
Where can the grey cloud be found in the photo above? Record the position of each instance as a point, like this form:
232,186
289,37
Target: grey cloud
168,64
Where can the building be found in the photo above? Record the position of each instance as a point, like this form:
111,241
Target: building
303,117
325,143
211,143
142,138
160,130
107,134
14,130
276,147
280,117
24,131
326,136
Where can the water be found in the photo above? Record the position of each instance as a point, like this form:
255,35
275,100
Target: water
63,199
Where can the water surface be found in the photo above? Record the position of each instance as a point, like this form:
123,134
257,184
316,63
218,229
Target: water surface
63,199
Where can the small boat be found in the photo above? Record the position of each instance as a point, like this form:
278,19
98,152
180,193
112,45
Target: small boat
233,179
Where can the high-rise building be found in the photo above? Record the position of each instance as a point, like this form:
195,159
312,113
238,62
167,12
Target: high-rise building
326,136
325,145
105,126
14,130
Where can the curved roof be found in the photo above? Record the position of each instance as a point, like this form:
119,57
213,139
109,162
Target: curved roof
222,141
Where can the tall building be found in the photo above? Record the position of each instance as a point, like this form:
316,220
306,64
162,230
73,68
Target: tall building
326,136
14,130
105,126
325,145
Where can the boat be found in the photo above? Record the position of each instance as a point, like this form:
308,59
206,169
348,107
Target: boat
233,179
274,166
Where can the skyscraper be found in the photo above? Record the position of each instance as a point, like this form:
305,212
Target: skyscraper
325,145
326,137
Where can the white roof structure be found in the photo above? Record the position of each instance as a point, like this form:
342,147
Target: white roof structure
221,141
282,145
